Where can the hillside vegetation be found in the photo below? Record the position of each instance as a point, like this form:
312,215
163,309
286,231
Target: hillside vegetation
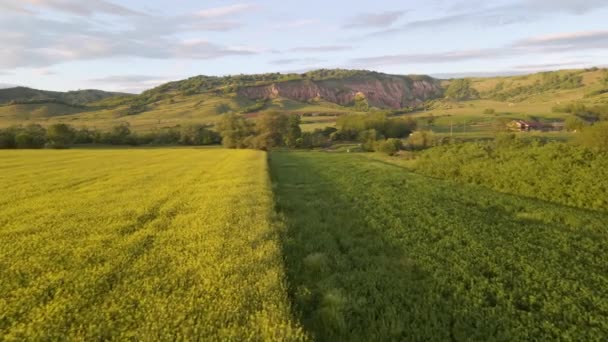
477,108
23,95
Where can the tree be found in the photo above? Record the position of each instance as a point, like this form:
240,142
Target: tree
197,135
222,108
294,132
60,136
272,129
7,137
421,140
361,104
399,127
461,90
368,139
233,129
120,135
350,126
574,123
32,136
389,146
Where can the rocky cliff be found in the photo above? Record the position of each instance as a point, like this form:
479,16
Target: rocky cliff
381,90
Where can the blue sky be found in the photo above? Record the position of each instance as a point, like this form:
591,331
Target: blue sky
134,45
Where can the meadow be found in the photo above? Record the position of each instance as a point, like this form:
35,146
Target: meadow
375,252
148,244
235,245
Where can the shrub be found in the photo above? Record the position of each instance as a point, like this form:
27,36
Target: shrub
389,146
420,140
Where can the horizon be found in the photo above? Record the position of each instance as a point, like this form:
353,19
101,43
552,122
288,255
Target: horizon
129,47
447,76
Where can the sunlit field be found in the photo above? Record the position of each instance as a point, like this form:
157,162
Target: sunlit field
243,245
155,244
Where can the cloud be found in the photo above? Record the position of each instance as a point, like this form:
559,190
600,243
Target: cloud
38,42
80,8
322,48
295,24
464,74
432,58
572,41
6,85
374,20
287,61
127,79
226,10
44,72
483,15
577,7
552,66
130,83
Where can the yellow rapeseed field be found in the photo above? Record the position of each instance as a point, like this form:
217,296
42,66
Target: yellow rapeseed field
145,244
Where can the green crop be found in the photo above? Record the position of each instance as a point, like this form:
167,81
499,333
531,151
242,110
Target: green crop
376,253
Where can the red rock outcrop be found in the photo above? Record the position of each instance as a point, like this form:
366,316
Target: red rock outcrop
383,91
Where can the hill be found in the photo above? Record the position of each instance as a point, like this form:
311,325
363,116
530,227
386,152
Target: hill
320,96
335,86
21,95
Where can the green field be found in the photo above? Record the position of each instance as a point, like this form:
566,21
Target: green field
374,252
215,244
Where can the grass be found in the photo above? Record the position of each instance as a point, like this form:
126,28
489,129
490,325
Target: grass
146,244
374,252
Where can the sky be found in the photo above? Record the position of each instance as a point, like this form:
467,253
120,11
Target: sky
133,45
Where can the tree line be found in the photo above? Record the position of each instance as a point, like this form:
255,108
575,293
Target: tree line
63,136
377,131
272,129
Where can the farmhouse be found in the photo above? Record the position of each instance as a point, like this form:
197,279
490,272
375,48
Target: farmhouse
524,126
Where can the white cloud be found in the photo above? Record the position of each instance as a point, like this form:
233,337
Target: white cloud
432,58
295,24
321,48
80,8
375,20
574,41
38,42
225,11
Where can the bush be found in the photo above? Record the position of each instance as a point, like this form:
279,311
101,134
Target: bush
489,111
60,136
350,126
389,146
421,140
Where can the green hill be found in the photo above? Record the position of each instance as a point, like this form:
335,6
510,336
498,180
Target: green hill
78,97
319,96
